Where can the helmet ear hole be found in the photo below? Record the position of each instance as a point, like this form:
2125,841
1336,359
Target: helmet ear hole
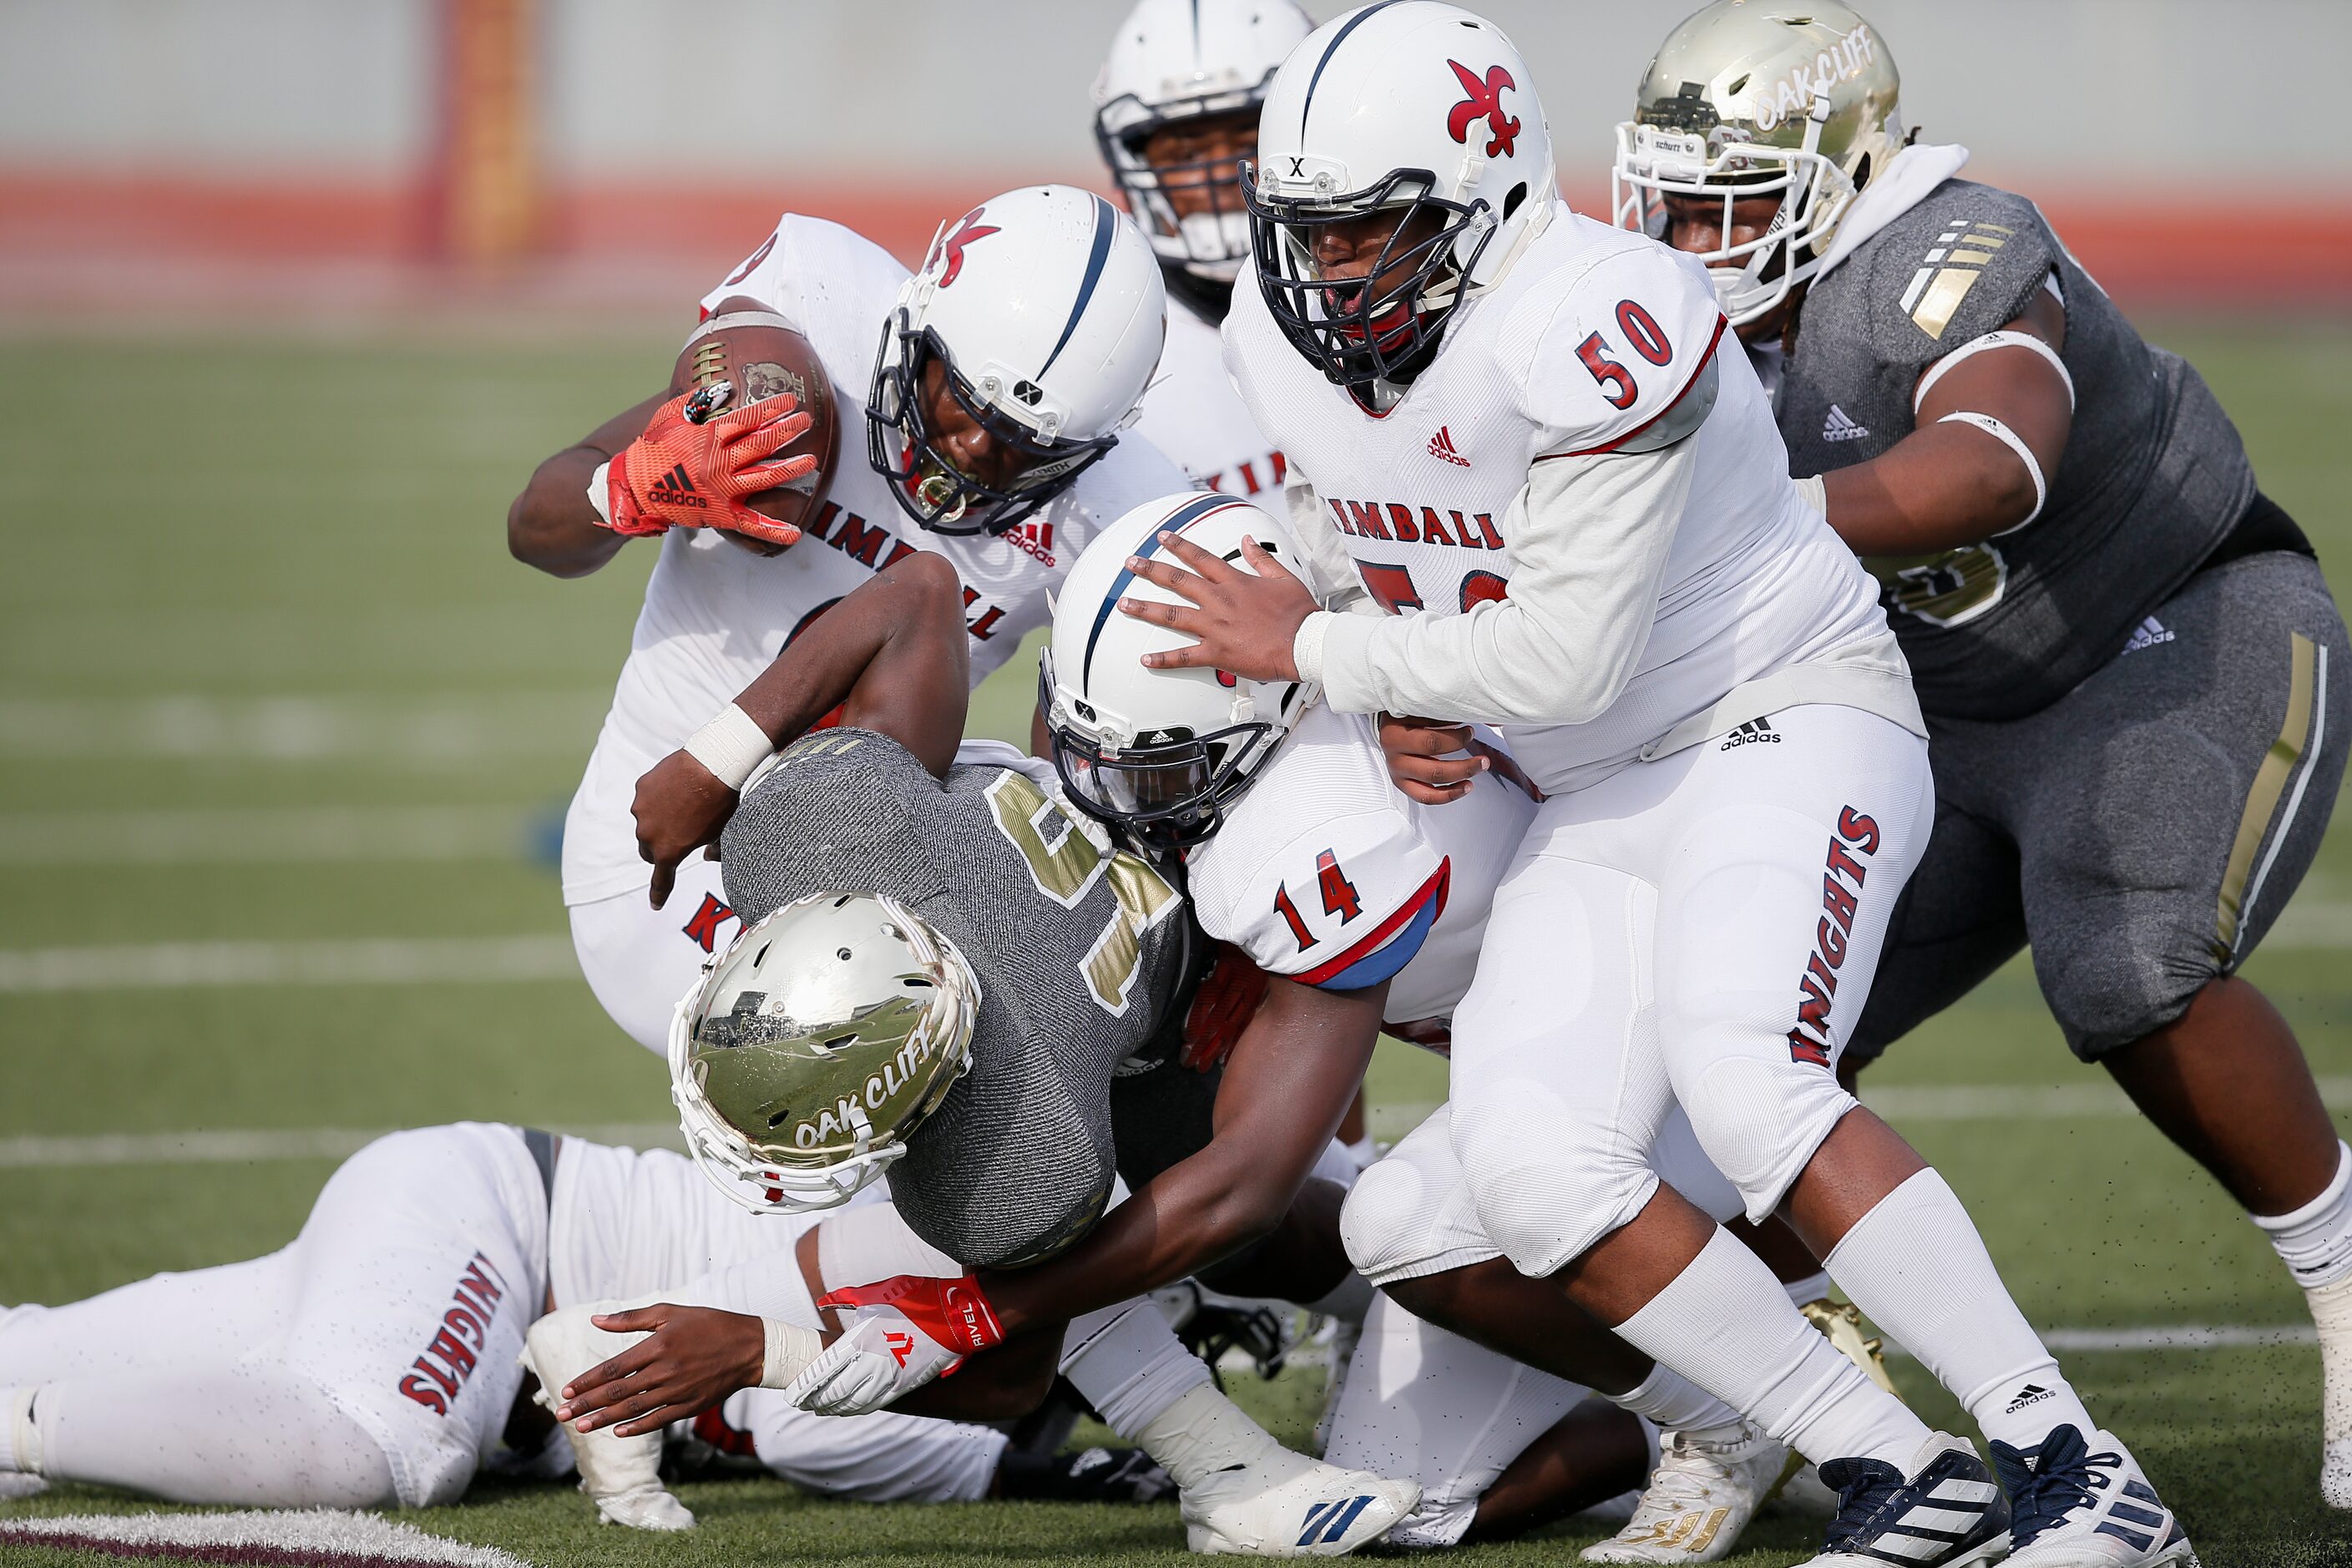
1511,202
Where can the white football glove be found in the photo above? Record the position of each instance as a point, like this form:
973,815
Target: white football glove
879,1357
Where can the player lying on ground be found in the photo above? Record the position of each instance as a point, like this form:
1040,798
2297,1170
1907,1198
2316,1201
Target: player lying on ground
1663,589
1402,941
945,458
373,1361
996,1100
2133,672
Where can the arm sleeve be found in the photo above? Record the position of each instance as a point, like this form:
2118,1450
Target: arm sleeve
1334,579
1590,540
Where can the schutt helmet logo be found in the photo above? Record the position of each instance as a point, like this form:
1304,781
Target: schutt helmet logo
968,230
1485,102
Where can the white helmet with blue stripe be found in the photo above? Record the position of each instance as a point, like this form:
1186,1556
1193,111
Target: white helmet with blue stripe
1159,754
1044,311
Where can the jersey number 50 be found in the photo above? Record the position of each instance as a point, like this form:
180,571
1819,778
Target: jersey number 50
1641,330
1065,865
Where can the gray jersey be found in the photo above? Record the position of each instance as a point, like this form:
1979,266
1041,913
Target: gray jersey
1080,954
2154,475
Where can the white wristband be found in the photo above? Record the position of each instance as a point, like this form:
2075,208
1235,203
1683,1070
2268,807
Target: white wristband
1815,493
731,746
600,491
789,1349
2010,439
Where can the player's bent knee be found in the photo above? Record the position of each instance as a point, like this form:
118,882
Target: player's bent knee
1759,1122
2106,993
1412,1214
1543,1202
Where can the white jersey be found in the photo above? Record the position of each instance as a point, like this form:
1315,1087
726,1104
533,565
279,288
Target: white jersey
1192,413
1325,872
715,616
1594,337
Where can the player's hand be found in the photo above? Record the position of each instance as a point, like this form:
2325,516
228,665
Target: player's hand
679,474
1222,1008
1243,624
680,807
1434,761
905,1331
691,1358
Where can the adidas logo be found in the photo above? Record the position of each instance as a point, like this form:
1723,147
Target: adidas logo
677,488
1755,732
1840,427
1035,538
1441,446
2032,1394
1328,1521
2147,634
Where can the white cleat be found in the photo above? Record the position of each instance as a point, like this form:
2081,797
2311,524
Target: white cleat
621,1475
15,1485
2077,1504
1281,1504
2331,1309
1706,1487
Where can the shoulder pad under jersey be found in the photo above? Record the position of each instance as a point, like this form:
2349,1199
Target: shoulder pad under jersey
801,251
1964,262
1623,354
1319,872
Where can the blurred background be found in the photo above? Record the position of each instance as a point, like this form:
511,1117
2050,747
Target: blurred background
608,154
294,296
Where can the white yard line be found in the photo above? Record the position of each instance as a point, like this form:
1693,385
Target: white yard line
430,729
261,835
375,961
261,1145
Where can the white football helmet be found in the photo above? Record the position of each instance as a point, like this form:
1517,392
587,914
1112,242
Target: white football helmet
1044,310
1408,105
811,1051
1174,63
1158,753
1750,100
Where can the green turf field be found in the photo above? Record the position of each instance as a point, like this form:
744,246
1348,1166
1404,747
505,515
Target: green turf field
267,677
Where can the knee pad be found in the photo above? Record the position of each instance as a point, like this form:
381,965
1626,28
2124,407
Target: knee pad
1411,1212
1758,1121
1543,1200
2109,987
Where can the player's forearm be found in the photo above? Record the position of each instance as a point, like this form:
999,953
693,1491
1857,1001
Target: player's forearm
1189,1217
553,525
1937,489
894,653
1591,541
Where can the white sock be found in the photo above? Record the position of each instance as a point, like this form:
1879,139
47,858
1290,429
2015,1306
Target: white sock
1666,1400
2315,1242
20,1439
1201,1434
1130,1365
1916,1267
1723,1323
1804,1292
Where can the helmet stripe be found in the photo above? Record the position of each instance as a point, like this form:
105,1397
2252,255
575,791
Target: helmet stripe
1106,226
1176,521
1331,49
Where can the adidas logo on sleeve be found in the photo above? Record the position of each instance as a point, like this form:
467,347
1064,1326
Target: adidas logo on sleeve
2147,634
1841,426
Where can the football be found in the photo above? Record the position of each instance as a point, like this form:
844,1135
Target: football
757,361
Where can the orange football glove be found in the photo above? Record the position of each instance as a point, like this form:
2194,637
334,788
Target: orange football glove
681,474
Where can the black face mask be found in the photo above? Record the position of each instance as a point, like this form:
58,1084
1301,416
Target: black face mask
928,487
1167,792
1355,338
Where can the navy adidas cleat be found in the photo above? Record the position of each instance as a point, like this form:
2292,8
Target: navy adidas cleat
1946,1514
2086,1505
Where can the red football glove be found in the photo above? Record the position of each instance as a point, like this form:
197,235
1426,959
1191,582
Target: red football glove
905,1331
679,474
1222,1008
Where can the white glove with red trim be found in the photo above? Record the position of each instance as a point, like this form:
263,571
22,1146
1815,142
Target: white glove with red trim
907,1331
